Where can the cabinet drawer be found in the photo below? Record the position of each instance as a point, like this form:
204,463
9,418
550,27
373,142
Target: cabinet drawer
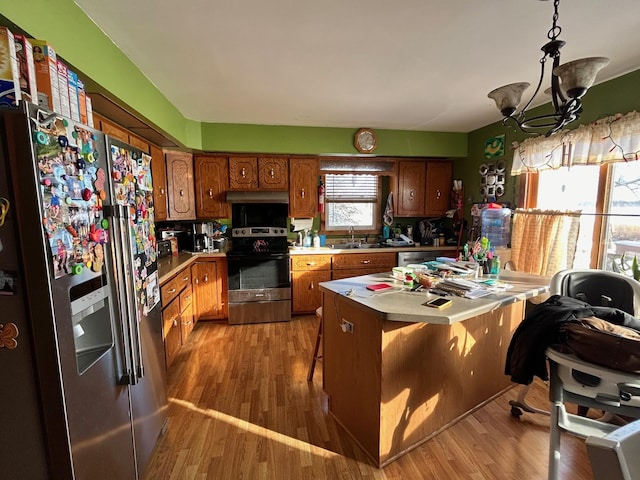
310,262
186,323
169,291
173,287
185,298
364,260
356,272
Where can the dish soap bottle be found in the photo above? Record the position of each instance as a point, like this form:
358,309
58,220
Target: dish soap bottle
316,240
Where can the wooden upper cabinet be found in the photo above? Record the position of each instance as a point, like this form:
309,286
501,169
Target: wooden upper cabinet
303,180
110,128
438,187
243,173
159,175
211,174
180,189
411,184
273,173
139,143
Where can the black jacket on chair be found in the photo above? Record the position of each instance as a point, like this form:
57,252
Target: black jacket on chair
542,327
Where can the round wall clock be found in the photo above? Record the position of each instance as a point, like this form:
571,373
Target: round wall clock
365,140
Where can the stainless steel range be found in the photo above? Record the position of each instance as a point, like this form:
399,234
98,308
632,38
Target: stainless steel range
258,265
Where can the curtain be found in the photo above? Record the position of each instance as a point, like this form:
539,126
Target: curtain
611,139
543,242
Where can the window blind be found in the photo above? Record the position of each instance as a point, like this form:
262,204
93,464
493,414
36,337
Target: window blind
351,188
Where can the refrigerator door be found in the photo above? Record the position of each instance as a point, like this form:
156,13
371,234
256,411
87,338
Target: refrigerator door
69,290
133,208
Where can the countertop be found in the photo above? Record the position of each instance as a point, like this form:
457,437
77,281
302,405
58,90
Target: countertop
169,266
337,249
401,305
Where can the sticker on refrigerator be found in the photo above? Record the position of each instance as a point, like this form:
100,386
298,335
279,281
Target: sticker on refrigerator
152,292
143,173
8,282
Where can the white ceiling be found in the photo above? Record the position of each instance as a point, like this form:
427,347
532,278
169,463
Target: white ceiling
395,64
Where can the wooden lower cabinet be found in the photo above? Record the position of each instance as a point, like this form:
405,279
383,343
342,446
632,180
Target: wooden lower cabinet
171,331
177,313
307,271
209,278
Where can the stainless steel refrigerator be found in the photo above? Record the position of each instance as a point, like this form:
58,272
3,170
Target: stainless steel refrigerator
81,347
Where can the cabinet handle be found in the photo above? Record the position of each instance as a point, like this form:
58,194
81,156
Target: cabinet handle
206,278
173,290
175,322
161,191
210,193
187,323
243,172
302,193
181,193
184,279
365,262
411,194
197,281
273,174
311,286
311,263
438,194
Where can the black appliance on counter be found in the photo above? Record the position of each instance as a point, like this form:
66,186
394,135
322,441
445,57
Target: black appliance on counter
258,264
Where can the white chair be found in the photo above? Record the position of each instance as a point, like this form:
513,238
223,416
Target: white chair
574,380
615,456
596,287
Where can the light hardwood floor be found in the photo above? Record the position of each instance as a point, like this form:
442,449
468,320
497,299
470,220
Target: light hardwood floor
240,407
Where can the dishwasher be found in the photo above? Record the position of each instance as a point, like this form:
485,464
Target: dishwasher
408,258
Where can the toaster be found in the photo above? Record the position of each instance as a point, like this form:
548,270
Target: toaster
163,247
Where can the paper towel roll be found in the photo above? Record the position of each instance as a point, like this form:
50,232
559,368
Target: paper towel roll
302,224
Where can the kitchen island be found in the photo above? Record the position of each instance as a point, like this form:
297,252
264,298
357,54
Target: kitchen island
397,372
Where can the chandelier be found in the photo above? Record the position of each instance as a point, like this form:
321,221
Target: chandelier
569,83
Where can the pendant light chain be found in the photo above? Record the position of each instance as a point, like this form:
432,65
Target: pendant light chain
555,30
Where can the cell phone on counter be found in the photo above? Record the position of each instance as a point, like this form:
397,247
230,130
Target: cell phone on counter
438,303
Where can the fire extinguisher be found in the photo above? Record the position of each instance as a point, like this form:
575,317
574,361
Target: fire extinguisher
321,197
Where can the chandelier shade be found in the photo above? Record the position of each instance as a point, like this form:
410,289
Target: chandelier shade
578,76
569,82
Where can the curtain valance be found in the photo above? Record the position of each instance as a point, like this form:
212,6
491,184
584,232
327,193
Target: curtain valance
611,139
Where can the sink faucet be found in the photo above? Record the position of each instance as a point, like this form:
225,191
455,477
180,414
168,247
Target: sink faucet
352,233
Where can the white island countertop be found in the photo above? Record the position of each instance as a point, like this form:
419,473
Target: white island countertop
400,304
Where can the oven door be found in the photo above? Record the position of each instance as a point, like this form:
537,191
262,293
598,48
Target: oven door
258,271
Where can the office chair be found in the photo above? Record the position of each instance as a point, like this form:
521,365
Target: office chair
585,384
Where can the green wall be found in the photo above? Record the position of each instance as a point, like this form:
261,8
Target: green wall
619,95
83,46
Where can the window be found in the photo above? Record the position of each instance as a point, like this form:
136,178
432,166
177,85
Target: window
609,198
351,200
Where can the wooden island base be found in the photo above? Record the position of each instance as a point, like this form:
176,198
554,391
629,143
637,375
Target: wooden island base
393,385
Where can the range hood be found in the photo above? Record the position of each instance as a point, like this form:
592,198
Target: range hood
257,197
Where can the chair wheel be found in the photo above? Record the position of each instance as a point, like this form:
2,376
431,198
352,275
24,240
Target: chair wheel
516,412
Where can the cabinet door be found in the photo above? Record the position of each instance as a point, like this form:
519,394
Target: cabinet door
273,173
411,182
159,175
206,285
438,187
139,143
243,173
171,331
180,186
303,178
212,174
110,128
306,290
